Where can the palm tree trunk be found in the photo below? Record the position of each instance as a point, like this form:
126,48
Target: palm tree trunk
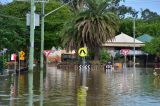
96,53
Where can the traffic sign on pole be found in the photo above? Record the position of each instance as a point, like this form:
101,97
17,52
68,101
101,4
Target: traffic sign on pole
13,57
22,55
47,52
124,52
82,52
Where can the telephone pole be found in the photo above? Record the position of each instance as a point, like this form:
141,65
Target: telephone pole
42,35
32,25
43,15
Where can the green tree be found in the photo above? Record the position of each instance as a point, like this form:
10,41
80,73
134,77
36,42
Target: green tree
12,33
148,15
91,27
153,46
104,56
53,23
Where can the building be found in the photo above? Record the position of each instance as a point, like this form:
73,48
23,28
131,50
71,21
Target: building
124,42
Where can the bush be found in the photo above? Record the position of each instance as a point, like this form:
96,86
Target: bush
104,56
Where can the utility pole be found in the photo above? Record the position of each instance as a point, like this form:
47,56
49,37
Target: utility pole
42,36
42,29
32,25
134,58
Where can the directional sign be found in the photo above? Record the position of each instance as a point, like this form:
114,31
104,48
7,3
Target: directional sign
124,51
82,52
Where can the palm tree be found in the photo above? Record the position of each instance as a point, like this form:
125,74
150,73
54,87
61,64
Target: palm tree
75,5
91,27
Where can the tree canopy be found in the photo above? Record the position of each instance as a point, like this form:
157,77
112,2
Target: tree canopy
13,30
92,26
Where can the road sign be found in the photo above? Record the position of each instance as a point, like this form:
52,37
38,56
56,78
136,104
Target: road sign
47,52
13,57
82,52
124,51
88,67
22,55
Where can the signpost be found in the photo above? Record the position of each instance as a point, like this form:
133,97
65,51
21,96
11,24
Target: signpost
82,52
113,53
124,52
13,57
22,54
84,67
21,58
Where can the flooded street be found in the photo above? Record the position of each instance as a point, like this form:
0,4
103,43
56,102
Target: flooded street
56,87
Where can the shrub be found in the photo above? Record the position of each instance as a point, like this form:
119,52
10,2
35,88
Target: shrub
104,56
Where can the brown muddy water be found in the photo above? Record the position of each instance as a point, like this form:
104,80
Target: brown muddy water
56,87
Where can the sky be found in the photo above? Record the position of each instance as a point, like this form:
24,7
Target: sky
153,5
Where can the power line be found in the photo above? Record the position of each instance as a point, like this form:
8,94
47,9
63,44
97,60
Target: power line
9,16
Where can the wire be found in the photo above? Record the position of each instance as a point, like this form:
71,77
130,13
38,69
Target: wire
9,16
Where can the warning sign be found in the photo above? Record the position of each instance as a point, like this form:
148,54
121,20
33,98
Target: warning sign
22,55
82,52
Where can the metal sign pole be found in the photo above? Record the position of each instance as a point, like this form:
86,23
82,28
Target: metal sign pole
42,36
19,63
15,65
125,62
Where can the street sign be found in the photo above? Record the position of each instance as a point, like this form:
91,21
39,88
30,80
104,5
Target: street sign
113,53
124,52
82,52
47,52
13,57
22,55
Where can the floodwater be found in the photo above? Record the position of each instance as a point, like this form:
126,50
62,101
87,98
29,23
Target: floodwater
56,87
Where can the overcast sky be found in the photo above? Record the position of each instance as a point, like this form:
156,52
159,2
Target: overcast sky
153,5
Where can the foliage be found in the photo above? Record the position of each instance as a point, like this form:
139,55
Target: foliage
104,56
13,33
91,27
148,15
153,46
53,25
142,27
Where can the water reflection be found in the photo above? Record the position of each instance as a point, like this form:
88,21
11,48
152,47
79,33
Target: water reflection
157,82
59,87
56,87
30,89
81,96
12,90
82,89
41,88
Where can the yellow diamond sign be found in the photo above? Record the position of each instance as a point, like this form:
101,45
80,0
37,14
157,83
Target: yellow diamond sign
22,55
82,52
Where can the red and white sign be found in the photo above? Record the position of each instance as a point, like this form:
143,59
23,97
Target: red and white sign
47,52
13,57
124,51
